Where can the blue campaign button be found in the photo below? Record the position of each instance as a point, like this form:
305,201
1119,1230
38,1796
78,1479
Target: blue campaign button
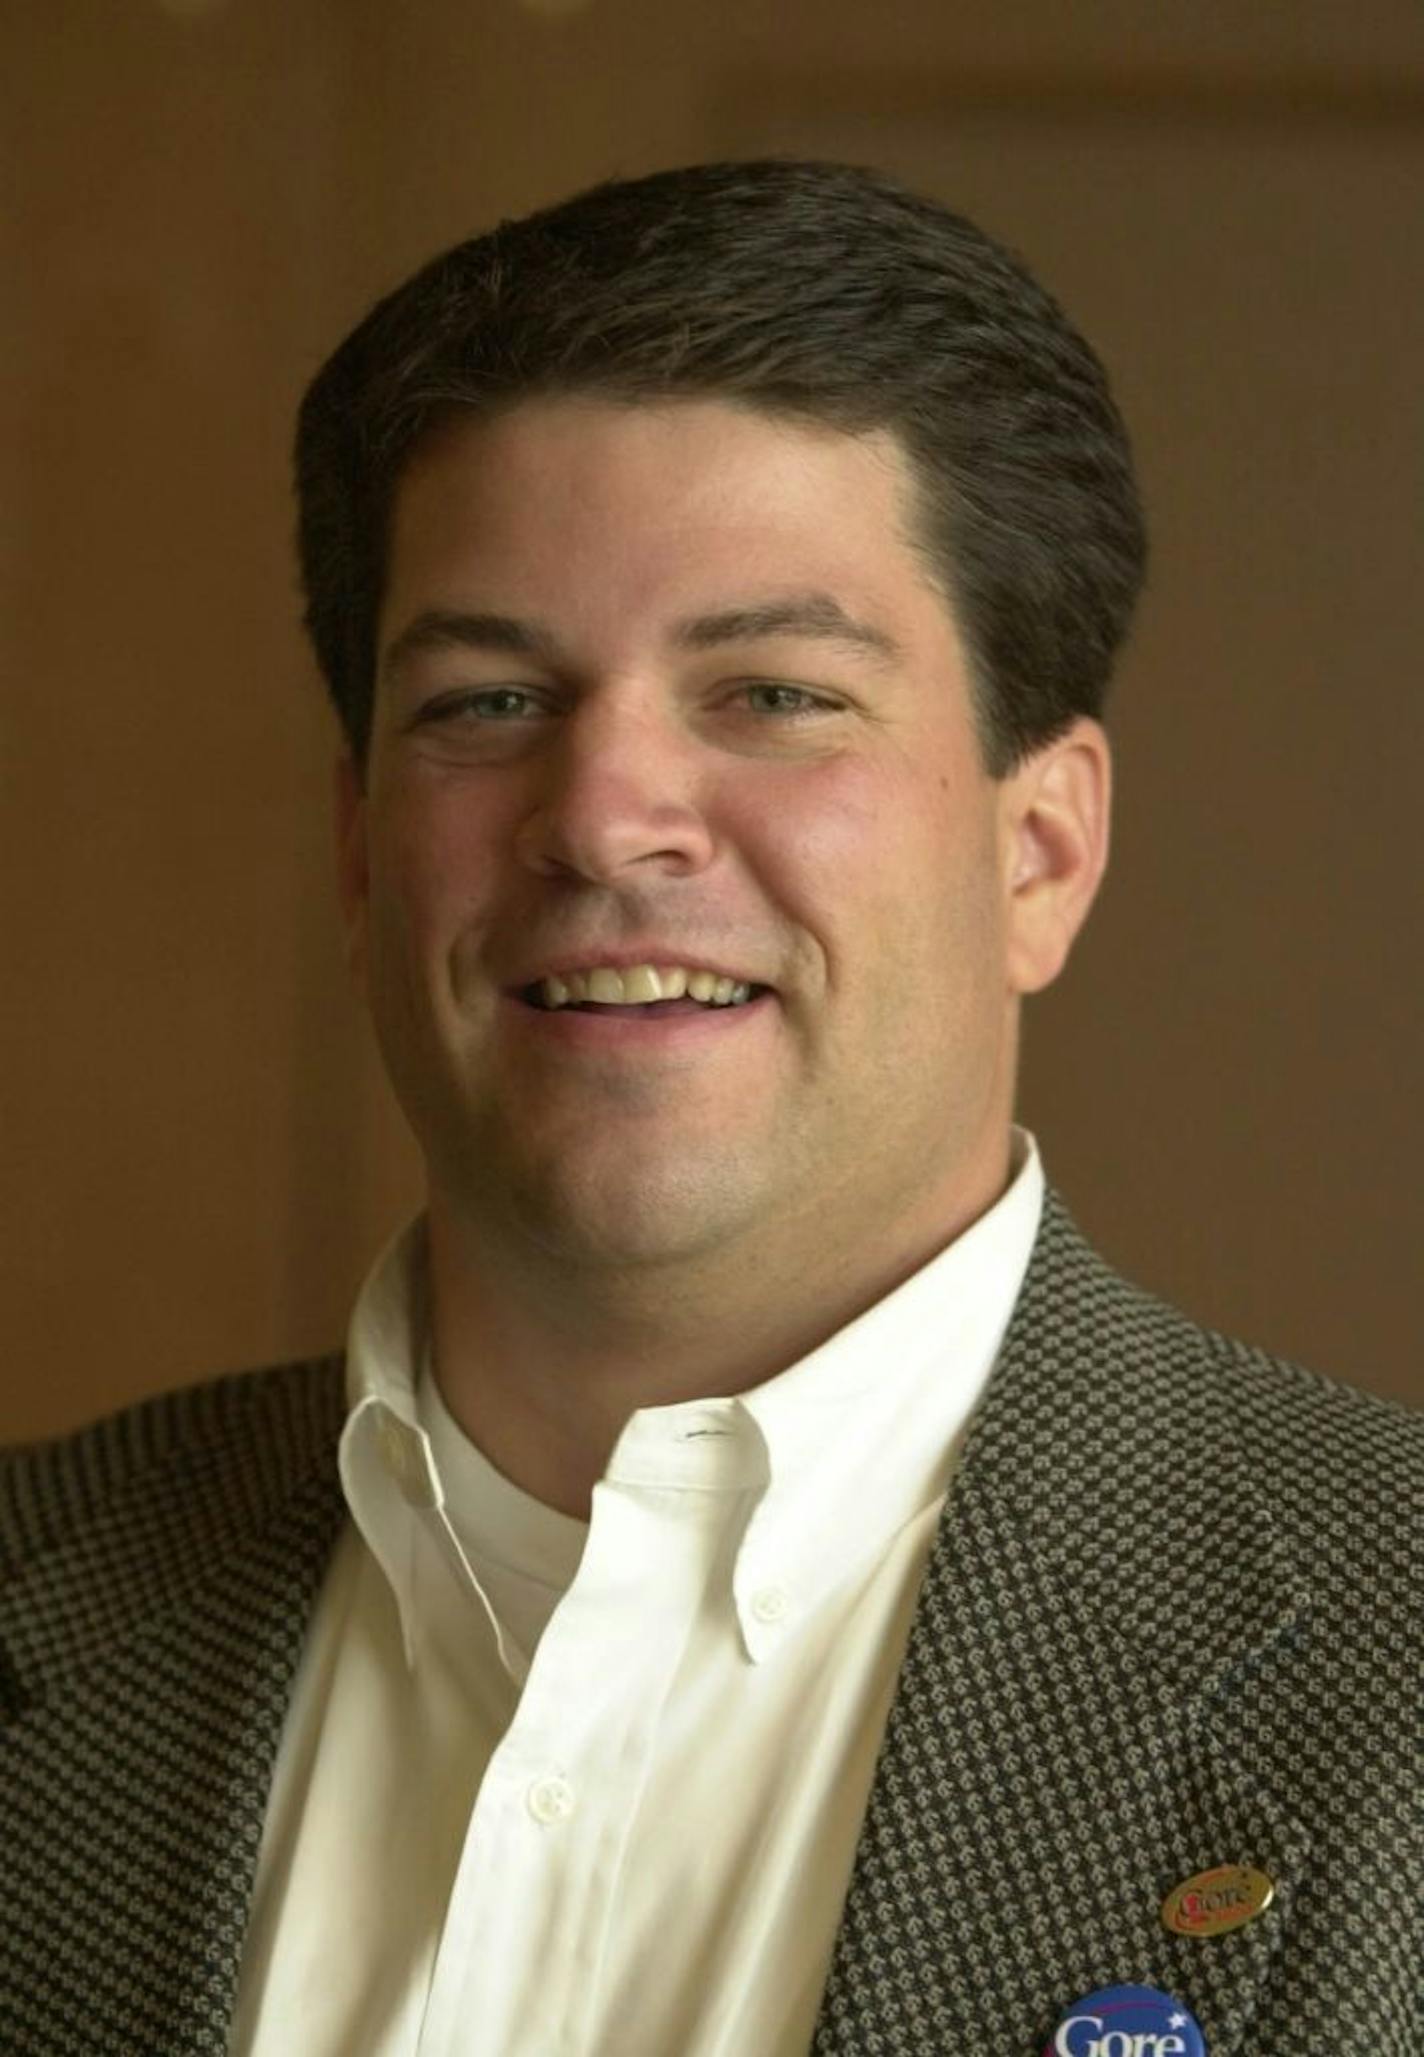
1127,2021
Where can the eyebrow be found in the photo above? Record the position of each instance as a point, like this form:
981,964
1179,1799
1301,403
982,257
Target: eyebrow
818,617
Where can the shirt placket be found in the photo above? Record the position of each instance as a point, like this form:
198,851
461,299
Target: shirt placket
518,1967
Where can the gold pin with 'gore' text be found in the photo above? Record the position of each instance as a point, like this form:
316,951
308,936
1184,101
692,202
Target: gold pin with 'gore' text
1212,1903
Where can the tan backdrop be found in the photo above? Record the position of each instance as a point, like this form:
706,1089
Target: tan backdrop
200,1160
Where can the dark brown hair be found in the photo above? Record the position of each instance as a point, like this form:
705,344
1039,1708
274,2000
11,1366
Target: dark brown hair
813,292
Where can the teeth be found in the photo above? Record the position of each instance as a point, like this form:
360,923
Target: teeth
643,983
640,984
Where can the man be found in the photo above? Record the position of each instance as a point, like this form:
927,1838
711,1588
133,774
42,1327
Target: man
757,1582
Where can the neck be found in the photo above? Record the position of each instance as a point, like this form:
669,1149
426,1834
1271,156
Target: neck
542,1361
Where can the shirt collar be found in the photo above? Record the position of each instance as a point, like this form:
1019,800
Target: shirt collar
837,1452
387,1471
863,1434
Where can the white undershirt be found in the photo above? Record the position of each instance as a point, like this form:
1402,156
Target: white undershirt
556,1789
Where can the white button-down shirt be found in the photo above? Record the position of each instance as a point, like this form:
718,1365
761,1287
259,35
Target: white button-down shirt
556,1789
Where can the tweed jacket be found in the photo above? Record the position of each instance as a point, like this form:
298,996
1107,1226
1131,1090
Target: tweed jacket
1172,1618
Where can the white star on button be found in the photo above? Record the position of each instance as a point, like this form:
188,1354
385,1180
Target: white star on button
550,1800
769,1605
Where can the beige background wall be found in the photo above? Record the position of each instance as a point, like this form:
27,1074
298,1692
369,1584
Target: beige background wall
199,1160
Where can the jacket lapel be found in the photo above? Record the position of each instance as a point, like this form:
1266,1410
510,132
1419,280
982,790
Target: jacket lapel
151,1653
1071,1731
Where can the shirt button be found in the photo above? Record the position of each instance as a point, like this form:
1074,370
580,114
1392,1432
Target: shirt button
550,1800
769,1605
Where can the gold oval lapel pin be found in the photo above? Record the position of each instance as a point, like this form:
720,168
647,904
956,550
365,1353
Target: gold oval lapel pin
1212,1903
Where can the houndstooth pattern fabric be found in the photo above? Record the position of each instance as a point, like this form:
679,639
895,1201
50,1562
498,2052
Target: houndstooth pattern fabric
156,1575
1172,1618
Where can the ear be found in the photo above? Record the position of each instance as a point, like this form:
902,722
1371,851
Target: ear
1055,818
352,871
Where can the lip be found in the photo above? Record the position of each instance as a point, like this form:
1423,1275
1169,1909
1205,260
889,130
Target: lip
636,1029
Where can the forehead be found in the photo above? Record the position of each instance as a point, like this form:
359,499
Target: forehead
550,433
679,503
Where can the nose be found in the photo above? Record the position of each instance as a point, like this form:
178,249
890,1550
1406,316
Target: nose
618,796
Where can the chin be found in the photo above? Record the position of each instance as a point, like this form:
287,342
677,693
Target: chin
633,1216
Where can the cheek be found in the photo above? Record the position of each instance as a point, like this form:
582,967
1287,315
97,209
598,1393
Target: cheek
830,826
811,844
859,841
430,870
886,903
930,911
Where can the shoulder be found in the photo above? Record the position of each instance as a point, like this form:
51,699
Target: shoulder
1130,1388
252,1435
1306,1426
1344,1468
1314,1489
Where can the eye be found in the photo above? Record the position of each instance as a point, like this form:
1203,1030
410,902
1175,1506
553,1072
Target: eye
765,696
482,704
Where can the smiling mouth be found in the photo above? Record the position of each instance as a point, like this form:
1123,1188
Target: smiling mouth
644,991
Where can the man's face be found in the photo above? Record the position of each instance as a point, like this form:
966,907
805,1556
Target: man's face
667,686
